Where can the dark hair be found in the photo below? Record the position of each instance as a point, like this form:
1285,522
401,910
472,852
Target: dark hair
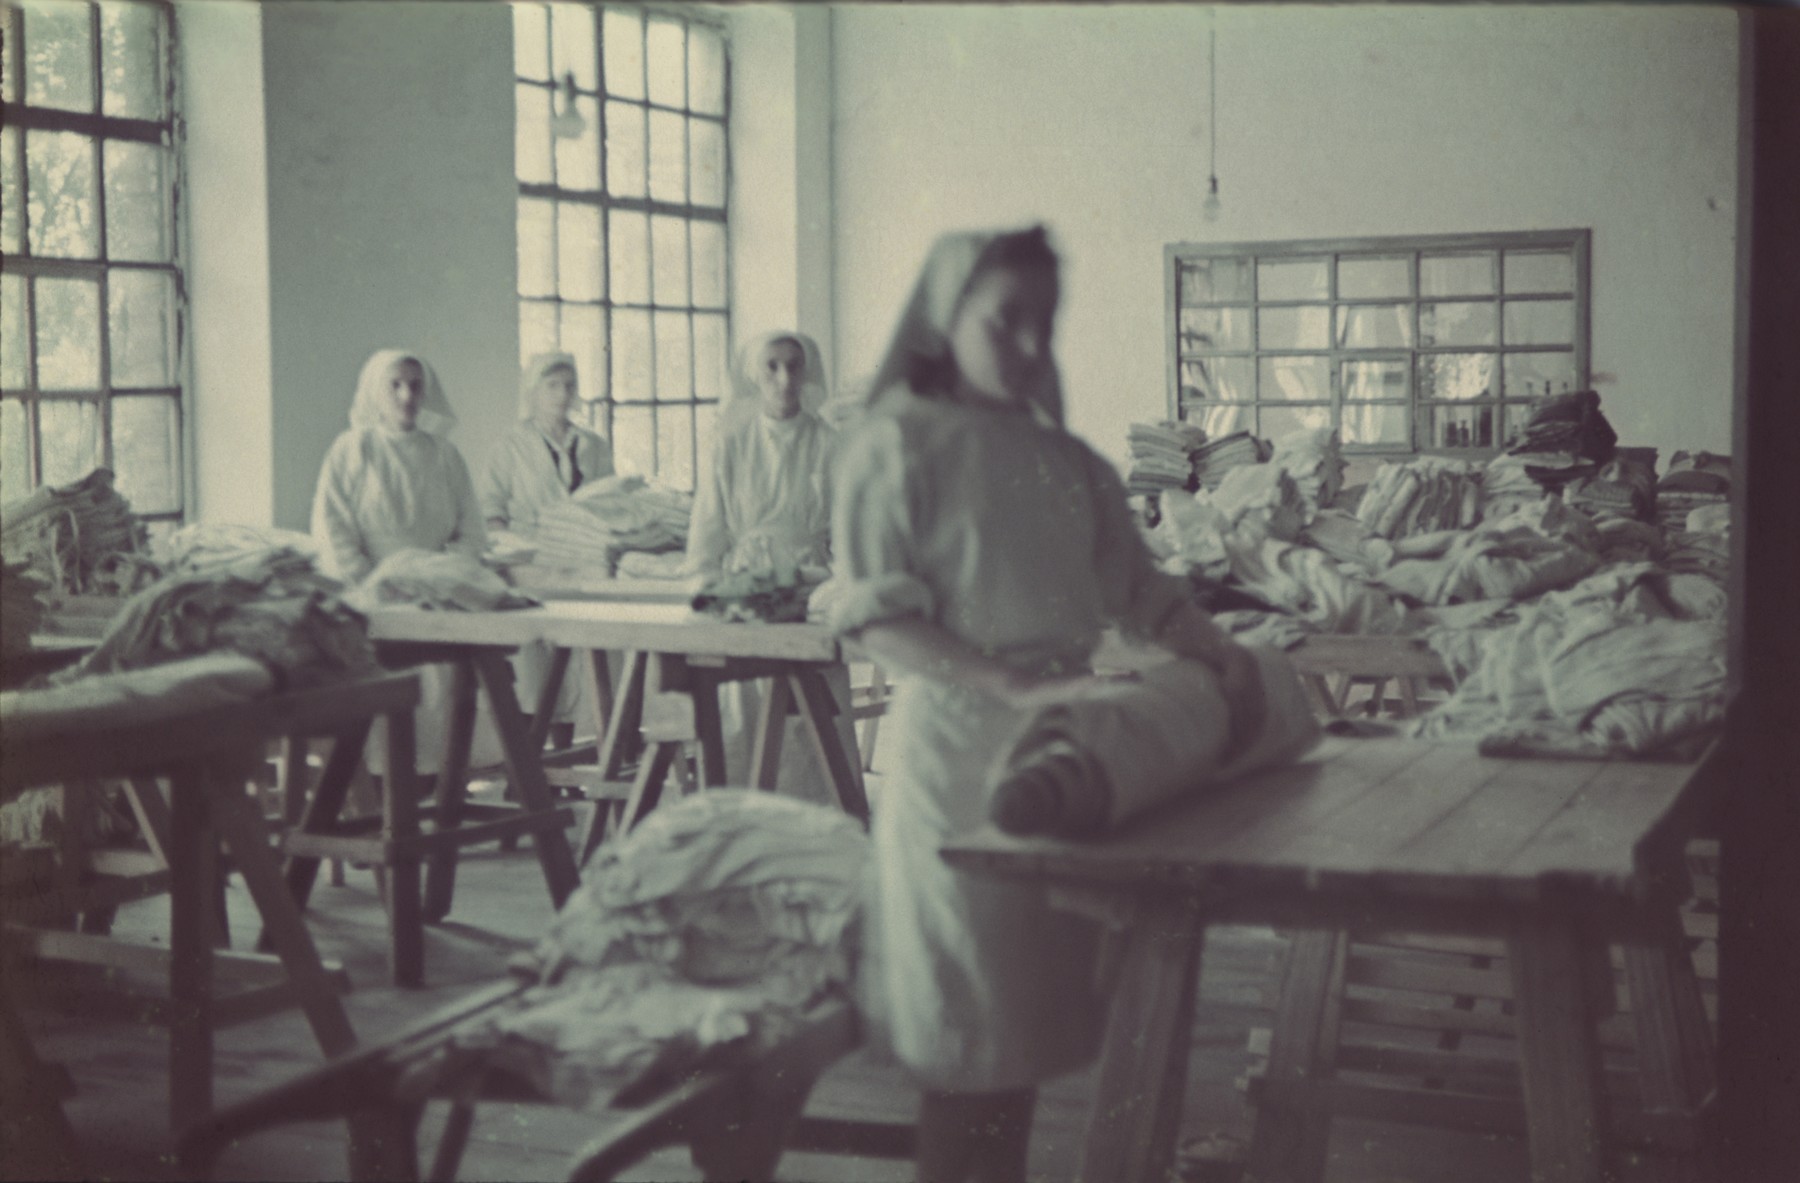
1019,250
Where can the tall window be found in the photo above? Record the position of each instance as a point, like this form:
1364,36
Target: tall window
1402,344
90,336
621,164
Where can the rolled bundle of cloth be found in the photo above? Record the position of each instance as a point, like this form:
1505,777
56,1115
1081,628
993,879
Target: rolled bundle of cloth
1420,497
1089,764
73,533
435,579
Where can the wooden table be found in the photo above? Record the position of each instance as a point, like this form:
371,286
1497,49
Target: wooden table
676,660
1558,857
207,757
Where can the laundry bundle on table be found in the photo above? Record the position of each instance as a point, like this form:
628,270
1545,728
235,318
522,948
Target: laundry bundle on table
21,606
1214,461
436,579
1314,458
1162,456
1695,481
81,537
1624,487
607,518
716,921
769,595
1421,496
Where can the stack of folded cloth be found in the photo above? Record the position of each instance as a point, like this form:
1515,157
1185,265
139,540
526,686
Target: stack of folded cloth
1695,480
1507,487
21,609
1420,497
71,534
1624,487
608,518
1162,456
1213,462
1565,439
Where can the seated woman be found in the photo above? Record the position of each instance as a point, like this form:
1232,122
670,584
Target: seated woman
390,482
764,502
543,459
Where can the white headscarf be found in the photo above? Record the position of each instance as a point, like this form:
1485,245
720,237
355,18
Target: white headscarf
746,396
918,357
435,415
540,367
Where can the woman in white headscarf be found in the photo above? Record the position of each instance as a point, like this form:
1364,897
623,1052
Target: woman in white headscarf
392,480
982,549
764,499
544,457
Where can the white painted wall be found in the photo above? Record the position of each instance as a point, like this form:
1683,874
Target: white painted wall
390,214
226,234
1333,122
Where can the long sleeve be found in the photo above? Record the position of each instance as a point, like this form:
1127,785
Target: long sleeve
709,538
872,533
1136,593
594,451
470,536
334,524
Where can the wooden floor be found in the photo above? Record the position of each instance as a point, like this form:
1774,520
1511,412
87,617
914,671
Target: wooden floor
119,1110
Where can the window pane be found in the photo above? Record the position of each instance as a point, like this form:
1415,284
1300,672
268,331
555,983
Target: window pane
1219,420
13,334
706,70
628,252
706,159
1456,274
578,251
1381,379
622,32
1371,425
668,157
668,63
537,247
1458,376
633,376
1374,326
531,134
12,193
1207,280
1205,329
59,68
578,157
633,441
59,192
1540,271
131,57
1275,422
70,432
68,334
537,329
674,369
1219,379
1540,322
625,151
1462,427
1297,279
1374,277
1533,375
675,447
9,78
572,47
1294,328
1458,324
1298,379
146,435
669,257
709,264
15,452
709,356
531,39
137,222
584,336
140,317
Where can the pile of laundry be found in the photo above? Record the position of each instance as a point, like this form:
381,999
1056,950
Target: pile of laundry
270,604
1565,430
1421,496
771,595
1623,487
714,924
607,518
1162,456
1512,558
82,538
445,580
21,606
1214,461
1314,459
1696,481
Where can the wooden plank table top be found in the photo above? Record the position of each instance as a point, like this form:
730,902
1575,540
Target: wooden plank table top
1557,856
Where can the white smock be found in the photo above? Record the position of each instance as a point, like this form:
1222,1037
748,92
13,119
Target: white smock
383,490
1015,537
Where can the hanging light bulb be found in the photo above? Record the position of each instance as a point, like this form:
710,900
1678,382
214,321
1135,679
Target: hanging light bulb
1210,208
567,123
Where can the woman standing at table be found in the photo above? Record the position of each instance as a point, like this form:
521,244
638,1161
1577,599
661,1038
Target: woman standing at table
393,481
982,549
544,457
